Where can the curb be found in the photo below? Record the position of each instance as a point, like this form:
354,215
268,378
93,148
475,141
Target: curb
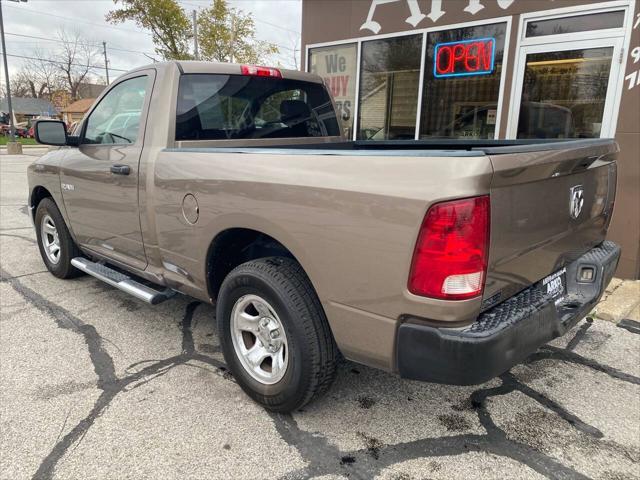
620,299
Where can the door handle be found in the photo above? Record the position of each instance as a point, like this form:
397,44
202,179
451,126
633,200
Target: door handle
120,169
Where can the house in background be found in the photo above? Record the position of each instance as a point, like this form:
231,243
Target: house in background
26,109
62,98
90,90
75,111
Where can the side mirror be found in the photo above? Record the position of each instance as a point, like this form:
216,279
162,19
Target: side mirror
51,132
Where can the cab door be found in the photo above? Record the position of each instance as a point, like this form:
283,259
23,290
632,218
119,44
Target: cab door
99,179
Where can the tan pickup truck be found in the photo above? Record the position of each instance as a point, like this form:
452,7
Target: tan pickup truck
439,260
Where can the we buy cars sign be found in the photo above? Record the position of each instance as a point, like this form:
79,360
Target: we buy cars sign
337,67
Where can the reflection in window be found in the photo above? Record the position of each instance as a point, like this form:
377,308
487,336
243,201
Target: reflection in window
461,91
224,107
116,119
578,23
564,93
390,74
337,67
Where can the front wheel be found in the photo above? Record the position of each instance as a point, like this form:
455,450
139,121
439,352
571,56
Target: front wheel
274,334
57,248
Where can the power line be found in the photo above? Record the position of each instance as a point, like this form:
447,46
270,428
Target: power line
134,31
57,62
259,20
80,43
77,19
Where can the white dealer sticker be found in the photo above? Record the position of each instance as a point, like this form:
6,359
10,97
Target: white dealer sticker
554,284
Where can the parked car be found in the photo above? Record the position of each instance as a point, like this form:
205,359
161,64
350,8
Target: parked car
440,261
20,129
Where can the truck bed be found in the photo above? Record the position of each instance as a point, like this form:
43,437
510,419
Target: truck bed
532,234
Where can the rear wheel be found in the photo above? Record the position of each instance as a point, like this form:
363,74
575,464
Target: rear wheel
274,334
57,248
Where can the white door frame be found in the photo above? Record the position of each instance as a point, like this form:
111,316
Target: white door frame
618,38
608,118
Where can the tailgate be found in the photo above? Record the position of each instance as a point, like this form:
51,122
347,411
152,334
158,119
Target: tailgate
550,203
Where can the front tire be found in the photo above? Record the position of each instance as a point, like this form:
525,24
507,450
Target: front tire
57,248
274,334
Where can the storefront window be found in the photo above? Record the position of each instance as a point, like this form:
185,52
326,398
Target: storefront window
578,23
337,66
564,93
462,82
390,74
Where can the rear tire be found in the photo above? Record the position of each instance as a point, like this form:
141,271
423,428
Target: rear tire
285,299
57,248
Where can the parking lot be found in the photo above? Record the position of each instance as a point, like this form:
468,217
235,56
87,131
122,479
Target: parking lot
96,384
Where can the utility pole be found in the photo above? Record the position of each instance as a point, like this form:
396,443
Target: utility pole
12,136
233,38
13,147
196,54
106,61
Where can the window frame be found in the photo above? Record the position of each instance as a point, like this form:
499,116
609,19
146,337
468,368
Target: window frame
618,38
423,31
567,12
356,119
150,75
307,68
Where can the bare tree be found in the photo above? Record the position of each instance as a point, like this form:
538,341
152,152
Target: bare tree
43,74
75,60
22,85
39,77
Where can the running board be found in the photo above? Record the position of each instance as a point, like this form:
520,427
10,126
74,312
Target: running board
122,281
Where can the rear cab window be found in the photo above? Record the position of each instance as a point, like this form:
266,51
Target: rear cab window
225,107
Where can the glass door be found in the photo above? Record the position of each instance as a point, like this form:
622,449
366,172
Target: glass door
566,90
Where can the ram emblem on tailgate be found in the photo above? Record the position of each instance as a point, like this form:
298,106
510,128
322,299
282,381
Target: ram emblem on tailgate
576,201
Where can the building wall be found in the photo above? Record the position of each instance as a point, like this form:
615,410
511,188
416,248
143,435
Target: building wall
334,20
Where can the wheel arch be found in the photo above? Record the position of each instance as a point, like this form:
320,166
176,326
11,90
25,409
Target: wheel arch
236,245
38,193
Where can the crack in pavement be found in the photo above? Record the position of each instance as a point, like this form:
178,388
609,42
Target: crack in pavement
325,459
104,368
30,240
630,325
3,279
319,455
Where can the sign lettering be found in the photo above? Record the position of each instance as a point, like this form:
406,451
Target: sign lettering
337,67
464,58
634,77
416,16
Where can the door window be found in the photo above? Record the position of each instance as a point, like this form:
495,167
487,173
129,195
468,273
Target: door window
575,24
116,119
564,93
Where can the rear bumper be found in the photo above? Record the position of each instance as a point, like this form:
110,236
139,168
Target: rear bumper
506,334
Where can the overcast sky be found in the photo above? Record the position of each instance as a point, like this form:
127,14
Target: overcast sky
277,21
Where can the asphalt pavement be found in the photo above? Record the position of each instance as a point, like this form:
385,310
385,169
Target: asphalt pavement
96,384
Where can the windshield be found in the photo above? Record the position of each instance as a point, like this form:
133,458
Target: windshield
219,107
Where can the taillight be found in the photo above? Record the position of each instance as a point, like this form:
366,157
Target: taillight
450,259
260,71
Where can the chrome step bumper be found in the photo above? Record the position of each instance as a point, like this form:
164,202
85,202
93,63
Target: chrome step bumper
122,281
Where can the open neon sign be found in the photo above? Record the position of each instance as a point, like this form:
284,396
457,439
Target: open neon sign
465,58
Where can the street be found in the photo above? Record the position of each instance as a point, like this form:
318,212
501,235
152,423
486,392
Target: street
96,384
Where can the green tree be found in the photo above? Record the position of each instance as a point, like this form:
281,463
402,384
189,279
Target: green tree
227,34
169,25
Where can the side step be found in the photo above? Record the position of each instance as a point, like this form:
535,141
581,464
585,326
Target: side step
122,281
